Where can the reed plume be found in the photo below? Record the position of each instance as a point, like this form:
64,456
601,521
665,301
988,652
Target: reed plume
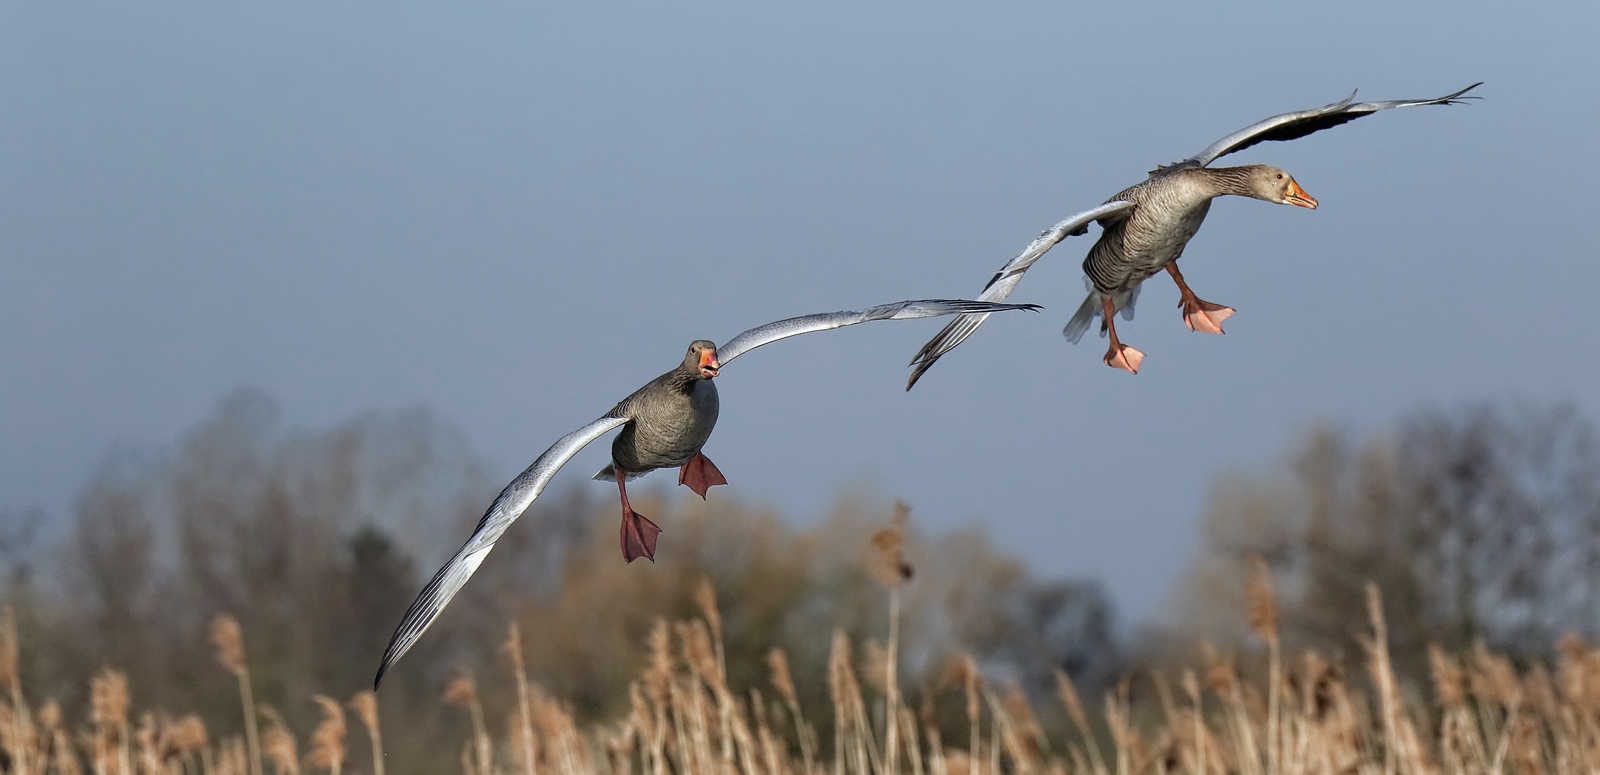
146,737
185,740
278,744
891,568
962,670
513,648
108,711
1262,614
327,740
20,735
462,691
1069,698
228,640
365,704
783,681
705,597
61,756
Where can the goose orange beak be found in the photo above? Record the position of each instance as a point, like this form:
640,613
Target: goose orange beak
708,364
1298,197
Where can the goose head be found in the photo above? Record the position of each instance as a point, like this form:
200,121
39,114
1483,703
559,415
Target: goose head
1274,185
701,360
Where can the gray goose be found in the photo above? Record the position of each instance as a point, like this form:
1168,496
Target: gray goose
1145,228
664,425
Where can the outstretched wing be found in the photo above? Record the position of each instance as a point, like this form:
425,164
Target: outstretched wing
900,310
513,500
1001,285
1290,126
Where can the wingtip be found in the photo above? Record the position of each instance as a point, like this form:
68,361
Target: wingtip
385,664
403,639
1461,97
921,368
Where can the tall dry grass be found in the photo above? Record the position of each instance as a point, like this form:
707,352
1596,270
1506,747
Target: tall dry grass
1299,715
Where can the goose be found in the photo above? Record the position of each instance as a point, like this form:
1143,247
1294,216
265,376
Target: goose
1145,228
664,425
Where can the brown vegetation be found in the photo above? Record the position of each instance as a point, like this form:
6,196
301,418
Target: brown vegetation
254,570
282,561
1483,716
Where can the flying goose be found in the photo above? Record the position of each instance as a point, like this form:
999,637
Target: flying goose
1145,228
664,425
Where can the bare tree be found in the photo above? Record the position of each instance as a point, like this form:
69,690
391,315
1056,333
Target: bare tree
1479,524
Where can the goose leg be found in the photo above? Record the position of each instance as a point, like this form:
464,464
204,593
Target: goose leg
1120,356
638,533
1198,314
700,474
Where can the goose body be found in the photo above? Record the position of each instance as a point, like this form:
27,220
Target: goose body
664,425
1167,213
1146,227
669,420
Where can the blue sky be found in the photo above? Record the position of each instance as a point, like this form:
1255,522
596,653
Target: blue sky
517,214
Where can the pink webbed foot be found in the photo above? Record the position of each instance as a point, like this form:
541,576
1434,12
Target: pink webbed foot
700,474
1121,356
1203,316
638,537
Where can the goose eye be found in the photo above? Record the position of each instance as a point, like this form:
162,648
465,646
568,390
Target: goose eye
1280,176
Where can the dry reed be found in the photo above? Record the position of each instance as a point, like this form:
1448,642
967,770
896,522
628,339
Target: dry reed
462,691
327,740
228,639
524,720
365,704
890,566
278,745
1261,610
1299,716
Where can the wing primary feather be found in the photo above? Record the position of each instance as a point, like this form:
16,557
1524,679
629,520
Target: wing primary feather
1292,126
953,334
510,504
900,310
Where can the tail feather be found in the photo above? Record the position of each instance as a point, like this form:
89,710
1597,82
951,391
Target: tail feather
1090,309
609,473
1126,301
1094,307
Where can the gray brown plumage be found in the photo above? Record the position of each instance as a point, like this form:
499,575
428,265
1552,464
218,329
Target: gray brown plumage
668,421
1167,212
1147,226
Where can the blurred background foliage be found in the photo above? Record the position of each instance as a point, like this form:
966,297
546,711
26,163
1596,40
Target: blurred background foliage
317,540
1481,525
